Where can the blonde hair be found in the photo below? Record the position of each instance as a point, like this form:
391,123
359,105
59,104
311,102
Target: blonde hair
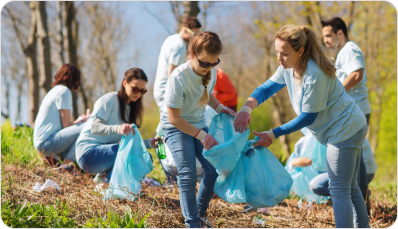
205,43
302,36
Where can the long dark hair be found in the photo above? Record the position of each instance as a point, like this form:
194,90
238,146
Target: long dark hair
136,108
69,76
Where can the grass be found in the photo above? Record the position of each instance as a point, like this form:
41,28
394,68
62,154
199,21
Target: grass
78,205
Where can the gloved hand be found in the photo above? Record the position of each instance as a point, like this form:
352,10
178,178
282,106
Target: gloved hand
209,142
221,108
206,139
266,138
126,129
242,119
154,141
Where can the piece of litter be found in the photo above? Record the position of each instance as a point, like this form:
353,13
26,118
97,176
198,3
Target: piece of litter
257,220
49,184
150,181
264,210
37,187
300,204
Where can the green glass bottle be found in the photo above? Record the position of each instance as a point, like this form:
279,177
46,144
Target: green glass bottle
161,149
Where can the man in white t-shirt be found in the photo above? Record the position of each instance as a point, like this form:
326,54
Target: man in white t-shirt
172,54
350,65
350,62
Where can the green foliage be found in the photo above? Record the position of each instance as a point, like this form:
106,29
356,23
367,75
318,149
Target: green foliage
17,146
36,215
113,220
386,152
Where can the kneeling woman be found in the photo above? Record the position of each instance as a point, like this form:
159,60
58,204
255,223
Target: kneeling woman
113,114
54,133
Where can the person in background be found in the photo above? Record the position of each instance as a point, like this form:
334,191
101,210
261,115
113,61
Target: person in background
225,91
172,54
54,133
113,116
350,65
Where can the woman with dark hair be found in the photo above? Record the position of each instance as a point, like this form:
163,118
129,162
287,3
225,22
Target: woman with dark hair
113,115
54,133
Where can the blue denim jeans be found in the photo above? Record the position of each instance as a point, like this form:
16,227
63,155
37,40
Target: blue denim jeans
62,142
185,149
99,159
343,165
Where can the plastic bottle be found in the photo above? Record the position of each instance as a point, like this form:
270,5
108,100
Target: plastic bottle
161,149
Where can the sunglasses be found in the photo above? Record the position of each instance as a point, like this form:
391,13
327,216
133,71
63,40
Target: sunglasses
207,65
136,90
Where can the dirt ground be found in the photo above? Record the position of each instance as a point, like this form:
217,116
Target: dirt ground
78,192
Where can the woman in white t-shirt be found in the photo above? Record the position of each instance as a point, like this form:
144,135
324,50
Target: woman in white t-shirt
320,101
113,115
188,89
54,133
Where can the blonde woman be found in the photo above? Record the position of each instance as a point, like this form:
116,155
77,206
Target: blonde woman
320,101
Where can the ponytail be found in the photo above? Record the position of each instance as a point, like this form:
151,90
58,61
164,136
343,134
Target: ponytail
202,102
302,36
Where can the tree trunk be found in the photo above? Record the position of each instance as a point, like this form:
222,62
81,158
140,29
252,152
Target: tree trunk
44,46
60,34
31,62
70,46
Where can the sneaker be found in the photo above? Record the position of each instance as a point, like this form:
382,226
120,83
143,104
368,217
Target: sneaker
205,222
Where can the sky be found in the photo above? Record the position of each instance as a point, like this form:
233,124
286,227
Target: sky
148,36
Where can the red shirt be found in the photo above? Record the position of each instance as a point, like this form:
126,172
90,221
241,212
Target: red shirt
224,90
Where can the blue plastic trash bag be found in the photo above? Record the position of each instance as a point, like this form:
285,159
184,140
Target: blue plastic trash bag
303,175
260,181
315,151
132,163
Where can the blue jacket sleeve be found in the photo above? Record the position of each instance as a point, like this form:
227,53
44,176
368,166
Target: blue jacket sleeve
266,90
301,121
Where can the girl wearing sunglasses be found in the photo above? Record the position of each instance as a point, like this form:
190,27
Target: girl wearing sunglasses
113,115
320,101
189,89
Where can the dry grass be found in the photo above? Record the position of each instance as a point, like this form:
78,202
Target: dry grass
78,192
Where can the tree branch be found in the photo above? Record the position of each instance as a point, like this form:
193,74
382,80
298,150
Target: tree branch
157,18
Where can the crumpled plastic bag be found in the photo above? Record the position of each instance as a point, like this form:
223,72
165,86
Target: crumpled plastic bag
132,163
48,185
260,181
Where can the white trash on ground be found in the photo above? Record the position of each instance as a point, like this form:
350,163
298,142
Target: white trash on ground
49,184
257,220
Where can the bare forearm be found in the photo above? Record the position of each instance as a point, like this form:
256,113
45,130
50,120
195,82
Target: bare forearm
301,162
353,79
213,102
184,126
251,102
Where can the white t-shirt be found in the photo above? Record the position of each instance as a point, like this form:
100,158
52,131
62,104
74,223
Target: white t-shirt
173,52
183,89
338,118
48,120
349,59
107,108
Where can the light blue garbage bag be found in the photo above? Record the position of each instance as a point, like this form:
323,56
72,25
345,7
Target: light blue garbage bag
260,181
132,163
315,151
